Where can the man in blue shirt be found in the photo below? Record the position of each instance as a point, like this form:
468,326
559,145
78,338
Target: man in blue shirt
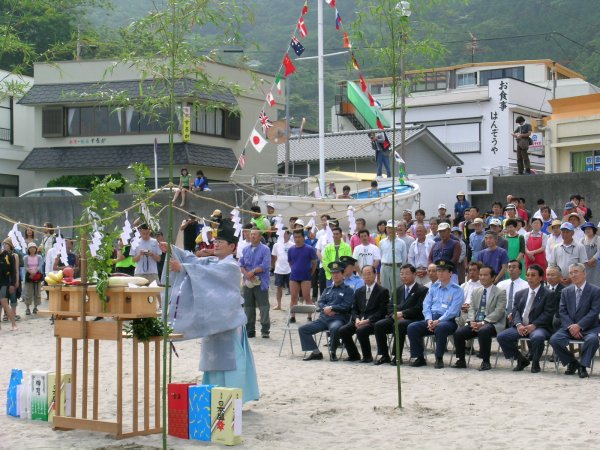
255,265
440,307
350,277
335,304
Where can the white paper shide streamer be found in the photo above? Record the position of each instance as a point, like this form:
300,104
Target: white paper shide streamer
237,222
279,227
17,238
351,220
311,223
127,230
60,248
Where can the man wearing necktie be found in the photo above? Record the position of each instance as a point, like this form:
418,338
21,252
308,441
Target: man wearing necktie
410,296
486,318
369,306
579,309
532,317
513,284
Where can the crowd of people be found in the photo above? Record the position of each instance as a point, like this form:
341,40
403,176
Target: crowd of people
508,273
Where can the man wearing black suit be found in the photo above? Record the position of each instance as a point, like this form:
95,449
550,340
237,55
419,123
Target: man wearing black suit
555,287
370,305
532,313
579,309
410,298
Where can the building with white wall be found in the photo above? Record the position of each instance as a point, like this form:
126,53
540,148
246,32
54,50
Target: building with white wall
76,130
472,108
15,137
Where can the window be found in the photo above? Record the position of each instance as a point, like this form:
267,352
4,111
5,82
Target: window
588,161
93,121
52,122
9,185
215,122
517,73
429,81
466,79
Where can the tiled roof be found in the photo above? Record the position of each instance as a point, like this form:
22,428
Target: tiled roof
66,93
344,145
119,156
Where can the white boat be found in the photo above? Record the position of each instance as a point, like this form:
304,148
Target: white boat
364,204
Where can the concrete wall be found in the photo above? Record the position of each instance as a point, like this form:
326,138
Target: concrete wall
554,188
66,211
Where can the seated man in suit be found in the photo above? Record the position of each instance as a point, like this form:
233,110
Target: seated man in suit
409,298
579,309
486,318
532,318
335,304
370,305
440,308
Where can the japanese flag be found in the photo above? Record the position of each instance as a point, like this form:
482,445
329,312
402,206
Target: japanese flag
257,141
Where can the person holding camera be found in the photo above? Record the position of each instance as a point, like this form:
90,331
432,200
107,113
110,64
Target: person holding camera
522,135
382,155
146,255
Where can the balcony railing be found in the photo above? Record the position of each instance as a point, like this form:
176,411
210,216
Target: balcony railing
5,134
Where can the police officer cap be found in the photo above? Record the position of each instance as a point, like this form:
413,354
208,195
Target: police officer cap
348,260
336,266
445,264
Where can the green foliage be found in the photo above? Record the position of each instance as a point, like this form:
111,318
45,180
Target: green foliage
146,328
84,181
99,214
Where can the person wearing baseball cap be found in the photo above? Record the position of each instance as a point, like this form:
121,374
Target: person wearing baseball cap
442,212
440,309
567,252
496,227
476,239
335,304
446,248
394,253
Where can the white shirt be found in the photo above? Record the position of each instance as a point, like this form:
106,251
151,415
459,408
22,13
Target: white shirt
418,253
552,242
365,255
520,284
240,248
468,287
280,250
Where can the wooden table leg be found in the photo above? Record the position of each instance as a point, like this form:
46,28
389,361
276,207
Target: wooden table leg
135,384
73,377
96,378
84,394
157,383
120,378
146,386
58,372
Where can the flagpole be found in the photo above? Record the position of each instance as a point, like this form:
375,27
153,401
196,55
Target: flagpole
287,128
321,98
155,164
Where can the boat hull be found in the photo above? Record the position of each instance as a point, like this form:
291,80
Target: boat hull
371,209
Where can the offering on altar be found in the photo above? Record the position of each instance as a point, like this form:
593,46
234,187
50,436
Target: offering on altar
226,415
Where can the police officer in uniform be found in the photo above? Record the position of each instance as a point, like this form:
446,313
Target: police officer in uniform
350,277
440,307
335,305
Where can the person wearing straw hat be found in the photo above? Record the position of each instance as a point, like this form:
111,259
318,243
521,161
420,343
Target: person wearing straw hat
32,263
8,279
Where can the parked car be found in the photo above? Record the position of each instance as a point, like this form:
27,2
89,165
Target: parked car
55,192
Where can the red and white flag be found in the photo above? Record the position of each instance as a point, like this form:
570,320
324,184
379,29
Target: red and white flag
270,99
257,141
302,28
330,3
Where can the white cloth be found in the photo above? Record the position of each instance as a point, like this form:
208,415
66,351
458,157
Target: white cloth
386,251
365,255
418,253
280,250
240,248
468,287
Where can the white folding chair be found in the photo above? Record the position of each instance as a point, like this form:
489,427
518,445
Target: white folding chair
290,327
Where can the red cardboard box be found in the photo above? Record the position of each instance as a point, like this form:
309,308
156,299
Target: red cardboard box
178,410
